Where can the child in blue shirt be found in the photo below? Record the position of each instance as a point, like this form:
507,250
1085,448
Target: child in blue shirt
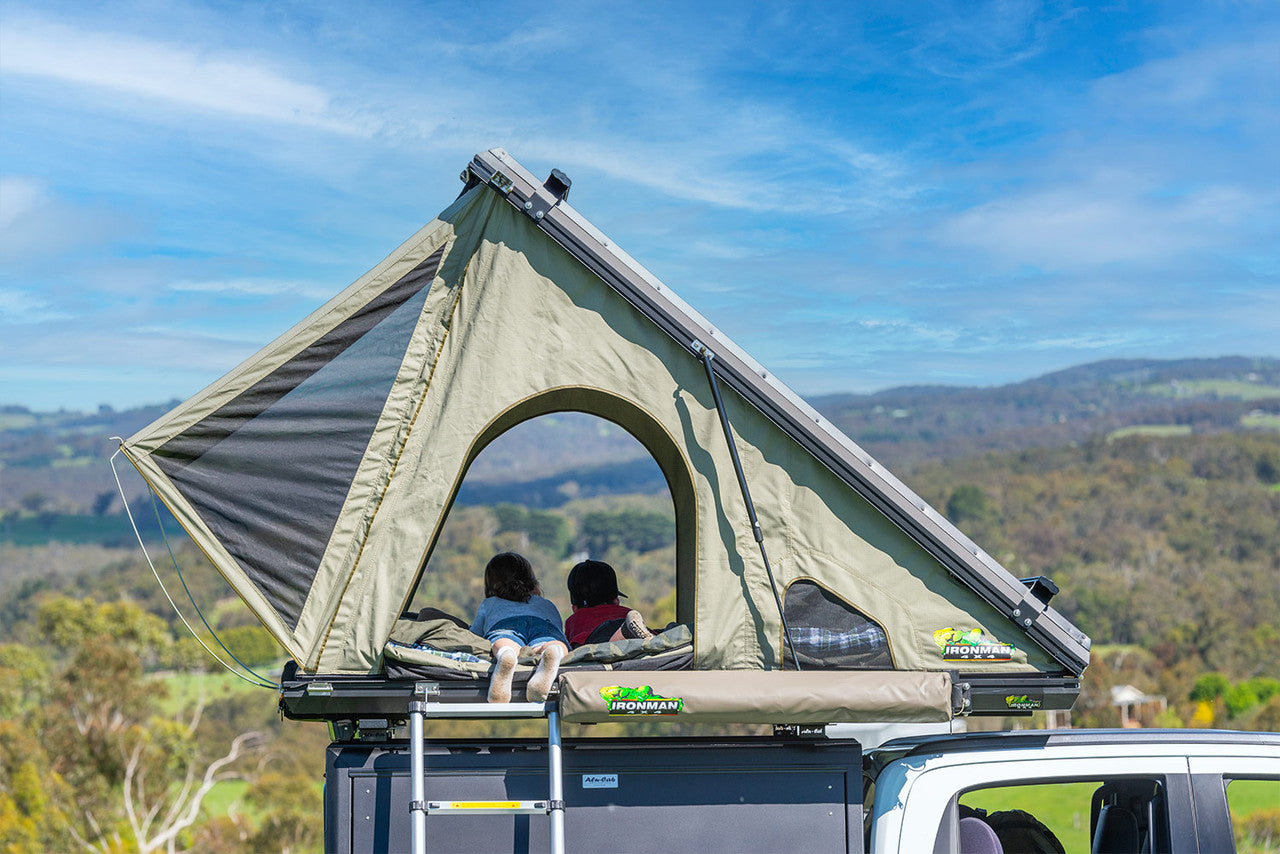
514,615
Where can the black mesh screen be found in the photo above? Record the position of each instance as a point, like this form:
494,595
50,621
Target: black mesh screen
269,471
829,633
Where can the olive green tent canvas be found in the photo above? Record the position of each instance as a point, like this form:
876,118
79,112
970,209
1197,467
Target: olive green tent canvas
317,475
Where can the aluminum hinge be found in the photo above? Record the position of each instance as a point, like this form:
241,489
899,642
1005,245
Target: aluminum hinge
961,696
1027,611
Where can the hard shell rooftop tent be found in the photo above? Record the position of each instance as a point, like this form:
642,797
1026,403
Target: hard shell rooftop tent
317,475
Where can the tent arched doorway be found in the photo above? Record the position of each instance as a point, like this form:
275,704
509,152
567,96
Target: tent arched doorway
640,425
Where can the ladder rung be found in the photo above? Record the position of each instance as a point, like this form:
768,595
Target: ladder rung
488,807
485,710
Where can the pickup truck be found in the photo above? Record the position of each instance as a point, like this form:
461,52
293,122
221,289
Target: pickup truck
1086,791
1111,790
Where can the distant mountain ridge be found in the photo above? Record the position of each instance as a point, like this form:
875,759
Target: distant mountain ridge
912,423
56,462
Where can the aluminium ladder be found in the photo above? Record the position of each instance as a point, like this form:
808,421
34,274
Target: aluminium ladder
419,807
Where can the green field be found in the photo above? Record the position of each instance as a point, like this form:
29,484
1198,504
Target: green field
17,420
31,529
224,797
1062,807
1157,430
1260,421
1234,389
186,688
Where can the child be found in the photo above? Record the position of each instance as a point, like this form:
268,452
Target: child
513,615
597,617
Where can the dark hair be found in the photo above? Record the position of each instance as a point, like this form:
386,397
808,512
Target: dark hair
510,576
592,582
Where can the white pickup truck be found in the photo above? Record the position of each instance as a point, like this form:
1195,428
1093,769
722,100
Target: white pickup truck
1088,791
1075,790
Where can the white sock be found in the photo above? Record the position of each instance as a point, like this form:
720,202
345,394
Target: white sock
544,676
500,681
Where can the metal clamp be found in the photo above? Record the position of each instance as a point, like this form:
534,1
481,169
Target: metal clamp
417,806
555,805
548,195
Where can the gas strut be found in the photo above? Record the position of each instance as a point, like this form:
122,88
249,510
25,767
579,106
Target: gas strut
707,356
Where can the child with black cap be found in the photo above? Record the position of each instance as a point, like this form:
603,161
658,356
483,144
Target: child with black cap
597,617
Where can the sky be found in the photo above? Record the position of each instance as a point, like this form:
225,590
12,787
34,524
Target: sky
967,193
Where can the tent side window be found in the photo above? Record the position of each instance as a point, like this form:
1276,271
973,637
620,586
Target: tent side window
830,634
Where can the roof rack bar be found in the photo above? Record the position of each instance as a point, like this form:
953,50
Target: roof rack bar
707,357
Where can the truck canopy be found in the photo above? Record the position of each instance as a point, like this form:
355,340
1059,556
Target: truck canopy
317,475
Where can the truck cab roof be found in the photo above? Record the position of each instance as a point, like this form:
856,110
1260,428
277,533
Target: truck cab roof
1182,740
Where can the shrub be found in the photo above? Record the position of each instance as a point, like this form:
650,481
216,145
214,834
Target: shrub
1258,831
1264,687
1210,687
1239,699
252,644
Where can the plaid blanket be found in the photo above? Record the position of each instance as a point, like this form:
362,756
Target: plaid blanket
822,643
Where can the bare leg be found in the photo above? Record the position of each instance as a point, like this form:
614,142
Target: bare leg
544,675
504,657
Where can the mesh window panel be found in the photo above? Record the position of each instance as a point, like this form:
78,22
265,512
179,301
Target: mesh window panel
830,634
270,470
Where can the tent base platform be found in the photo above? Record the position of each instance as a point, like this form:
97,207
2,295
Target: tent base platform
354,704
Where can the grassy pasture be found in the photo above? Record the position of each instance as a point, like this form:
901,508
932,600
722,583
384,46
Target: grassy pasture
1233,389
1157,430
1260,421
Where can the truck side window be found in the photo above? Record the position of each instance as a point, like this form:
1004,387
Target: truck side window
1125,816
1255,813
830,634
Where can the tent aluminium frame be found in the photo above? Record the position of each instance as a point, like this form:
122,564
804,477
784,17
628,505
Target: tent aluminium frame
1023,605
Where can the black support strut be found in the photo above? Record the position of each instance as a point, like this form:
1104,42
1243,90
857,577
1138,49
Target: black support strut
707,356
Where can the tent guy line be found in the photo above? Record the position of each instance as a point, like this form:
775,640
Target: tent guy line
258,681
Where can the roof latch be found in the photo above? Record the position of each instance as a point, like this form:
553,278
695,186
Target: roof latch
1034,602
546,197
1041,587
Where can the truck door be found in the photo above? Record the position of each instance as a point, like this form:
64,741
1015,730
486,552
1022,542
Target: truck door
1050,804
1236,798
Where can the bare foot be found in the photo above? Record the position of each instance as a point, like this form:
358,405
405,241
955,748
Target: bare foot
500,681
544,676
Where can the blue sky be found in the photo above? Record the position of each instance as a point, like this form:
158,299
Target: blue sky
962,193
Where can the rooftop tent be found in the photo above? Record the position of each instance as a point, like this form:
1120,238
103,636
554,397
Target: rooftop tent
317,475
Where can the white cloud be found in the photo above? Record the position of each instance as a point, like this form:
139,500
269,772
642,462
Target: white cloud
23,307
178,74
1111,221
36,225
18,197
1230,81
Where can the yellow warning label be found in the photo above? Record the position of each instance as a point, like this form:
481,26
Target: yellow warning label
484,805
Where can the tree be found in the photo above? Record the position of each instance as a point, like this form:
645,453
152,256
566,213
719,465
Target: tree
290,805
968,503
1210,687
138,776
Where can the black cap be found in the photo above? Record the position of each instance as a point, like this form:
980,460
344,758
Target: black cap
593,582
